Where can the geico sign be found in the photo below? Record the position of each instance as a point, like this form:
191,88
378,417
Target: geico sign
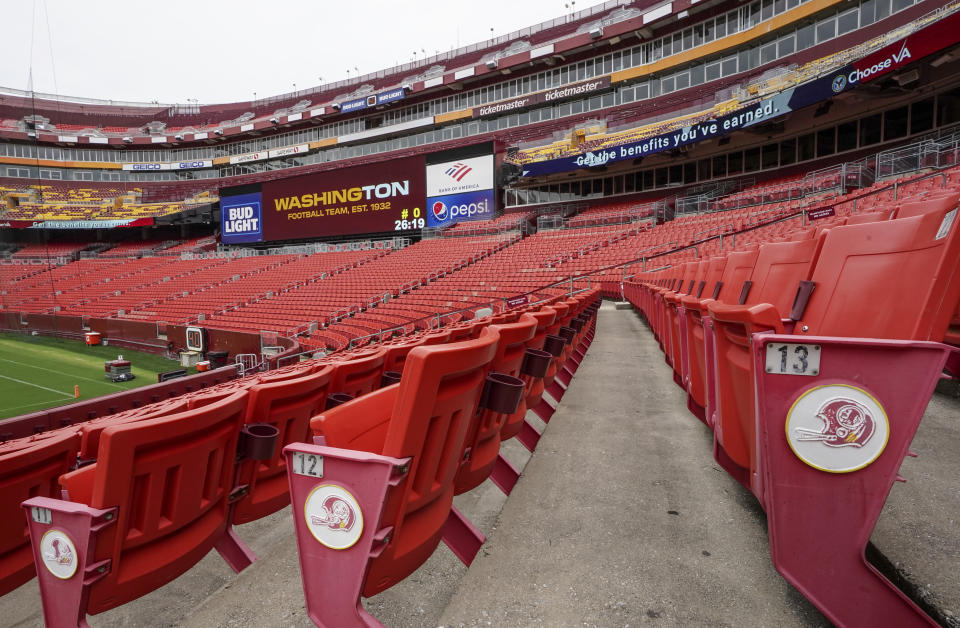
147,167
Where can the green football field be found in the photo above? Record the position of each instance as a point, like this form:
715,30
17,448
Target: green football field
38,372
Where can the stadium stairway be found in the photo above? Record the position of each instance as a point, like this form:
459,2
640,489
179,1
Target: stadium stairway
621,517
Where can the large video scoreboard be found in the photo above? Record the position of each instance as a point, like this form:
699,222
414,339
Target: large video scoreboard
387,196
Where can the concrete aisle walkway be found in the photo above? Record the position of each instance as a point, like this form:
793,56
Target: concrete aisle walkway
622,518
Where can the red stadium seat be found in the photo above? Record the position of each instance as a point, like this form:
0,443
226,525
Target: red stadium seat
155,502
877,363
779,269
736,270
486,430
287,405
358,373
390,457
28,468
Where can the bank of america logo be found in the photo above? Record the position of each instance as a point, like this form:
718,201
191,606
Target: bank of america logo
458,171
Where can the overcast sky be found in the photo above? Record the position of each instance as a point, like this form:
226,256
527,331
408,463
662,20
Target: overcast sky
222,51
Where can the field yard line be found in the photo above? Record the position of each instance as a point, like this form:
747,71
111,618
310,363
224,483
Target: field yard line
34,366
20,381
29,405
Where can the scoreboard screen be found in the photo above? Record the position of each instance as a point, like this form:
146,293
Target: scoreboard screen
388,196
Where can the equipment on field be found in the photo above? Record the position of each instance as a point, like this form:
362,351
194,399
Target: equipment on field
118,370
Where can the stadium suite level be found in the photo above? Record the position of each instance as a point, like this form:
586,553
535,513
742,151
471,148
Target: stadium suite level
748,19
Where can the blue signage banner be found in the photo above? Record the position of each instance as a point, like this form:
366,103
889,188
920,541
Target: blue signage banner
390,96
241,219
762,111
353,105
454,208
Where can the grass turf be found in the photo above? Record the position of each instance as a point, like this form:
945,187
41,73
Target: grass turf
38,372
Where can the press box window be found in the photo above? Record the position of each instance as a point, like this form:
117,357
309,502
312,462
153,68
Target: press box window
895,123
735,163
921,116
846,136
805,147
826,142
788,152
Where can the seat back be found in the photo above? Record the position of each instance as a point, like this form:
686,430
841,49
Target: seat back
699,277
436,399
437,337
862,219
546,316
714,275
396,354
359,374
28,469
779,268
689,272
170,478
287,405
737,270
897,279
943,202
91,431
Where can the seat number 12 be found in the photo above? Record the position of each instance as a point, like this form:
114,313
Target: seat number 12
307,464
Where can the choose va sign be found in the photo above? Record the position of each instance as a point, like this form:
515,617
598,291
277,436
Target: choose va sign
240,219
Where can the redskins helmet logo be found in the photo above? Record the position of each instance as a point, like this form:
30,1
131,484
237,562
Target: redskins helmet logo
837,428
59,554
333,516
846,423
336,514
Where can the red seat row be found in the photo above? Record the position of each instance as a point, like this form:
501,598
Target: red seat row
373,497
120,505
813,360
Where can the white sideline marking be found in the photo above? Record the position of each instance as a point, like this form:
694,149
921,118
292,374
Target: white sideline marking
40,368
31,405
20,381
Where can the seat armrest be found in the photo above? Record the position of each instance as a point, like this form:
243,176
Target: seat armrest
758,317
691,302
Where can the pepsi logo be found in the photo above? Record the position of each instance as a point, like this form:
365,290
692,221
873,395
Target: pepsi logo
440,210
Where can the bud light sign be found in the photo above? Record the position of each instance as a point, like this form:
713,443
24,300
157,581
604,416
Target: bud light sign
454,208
240,219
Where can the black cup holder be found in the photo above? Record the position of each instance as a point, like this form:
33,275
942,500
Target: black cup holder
501,393
337,399
258,441
553,345
577,324
535,362
568,334
389,377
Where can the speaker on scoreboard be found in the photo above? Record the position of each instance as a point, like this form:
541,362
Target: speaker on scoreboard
508,174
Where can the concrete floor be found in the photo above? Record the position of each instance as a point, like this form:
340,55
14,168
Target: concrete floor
621,518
